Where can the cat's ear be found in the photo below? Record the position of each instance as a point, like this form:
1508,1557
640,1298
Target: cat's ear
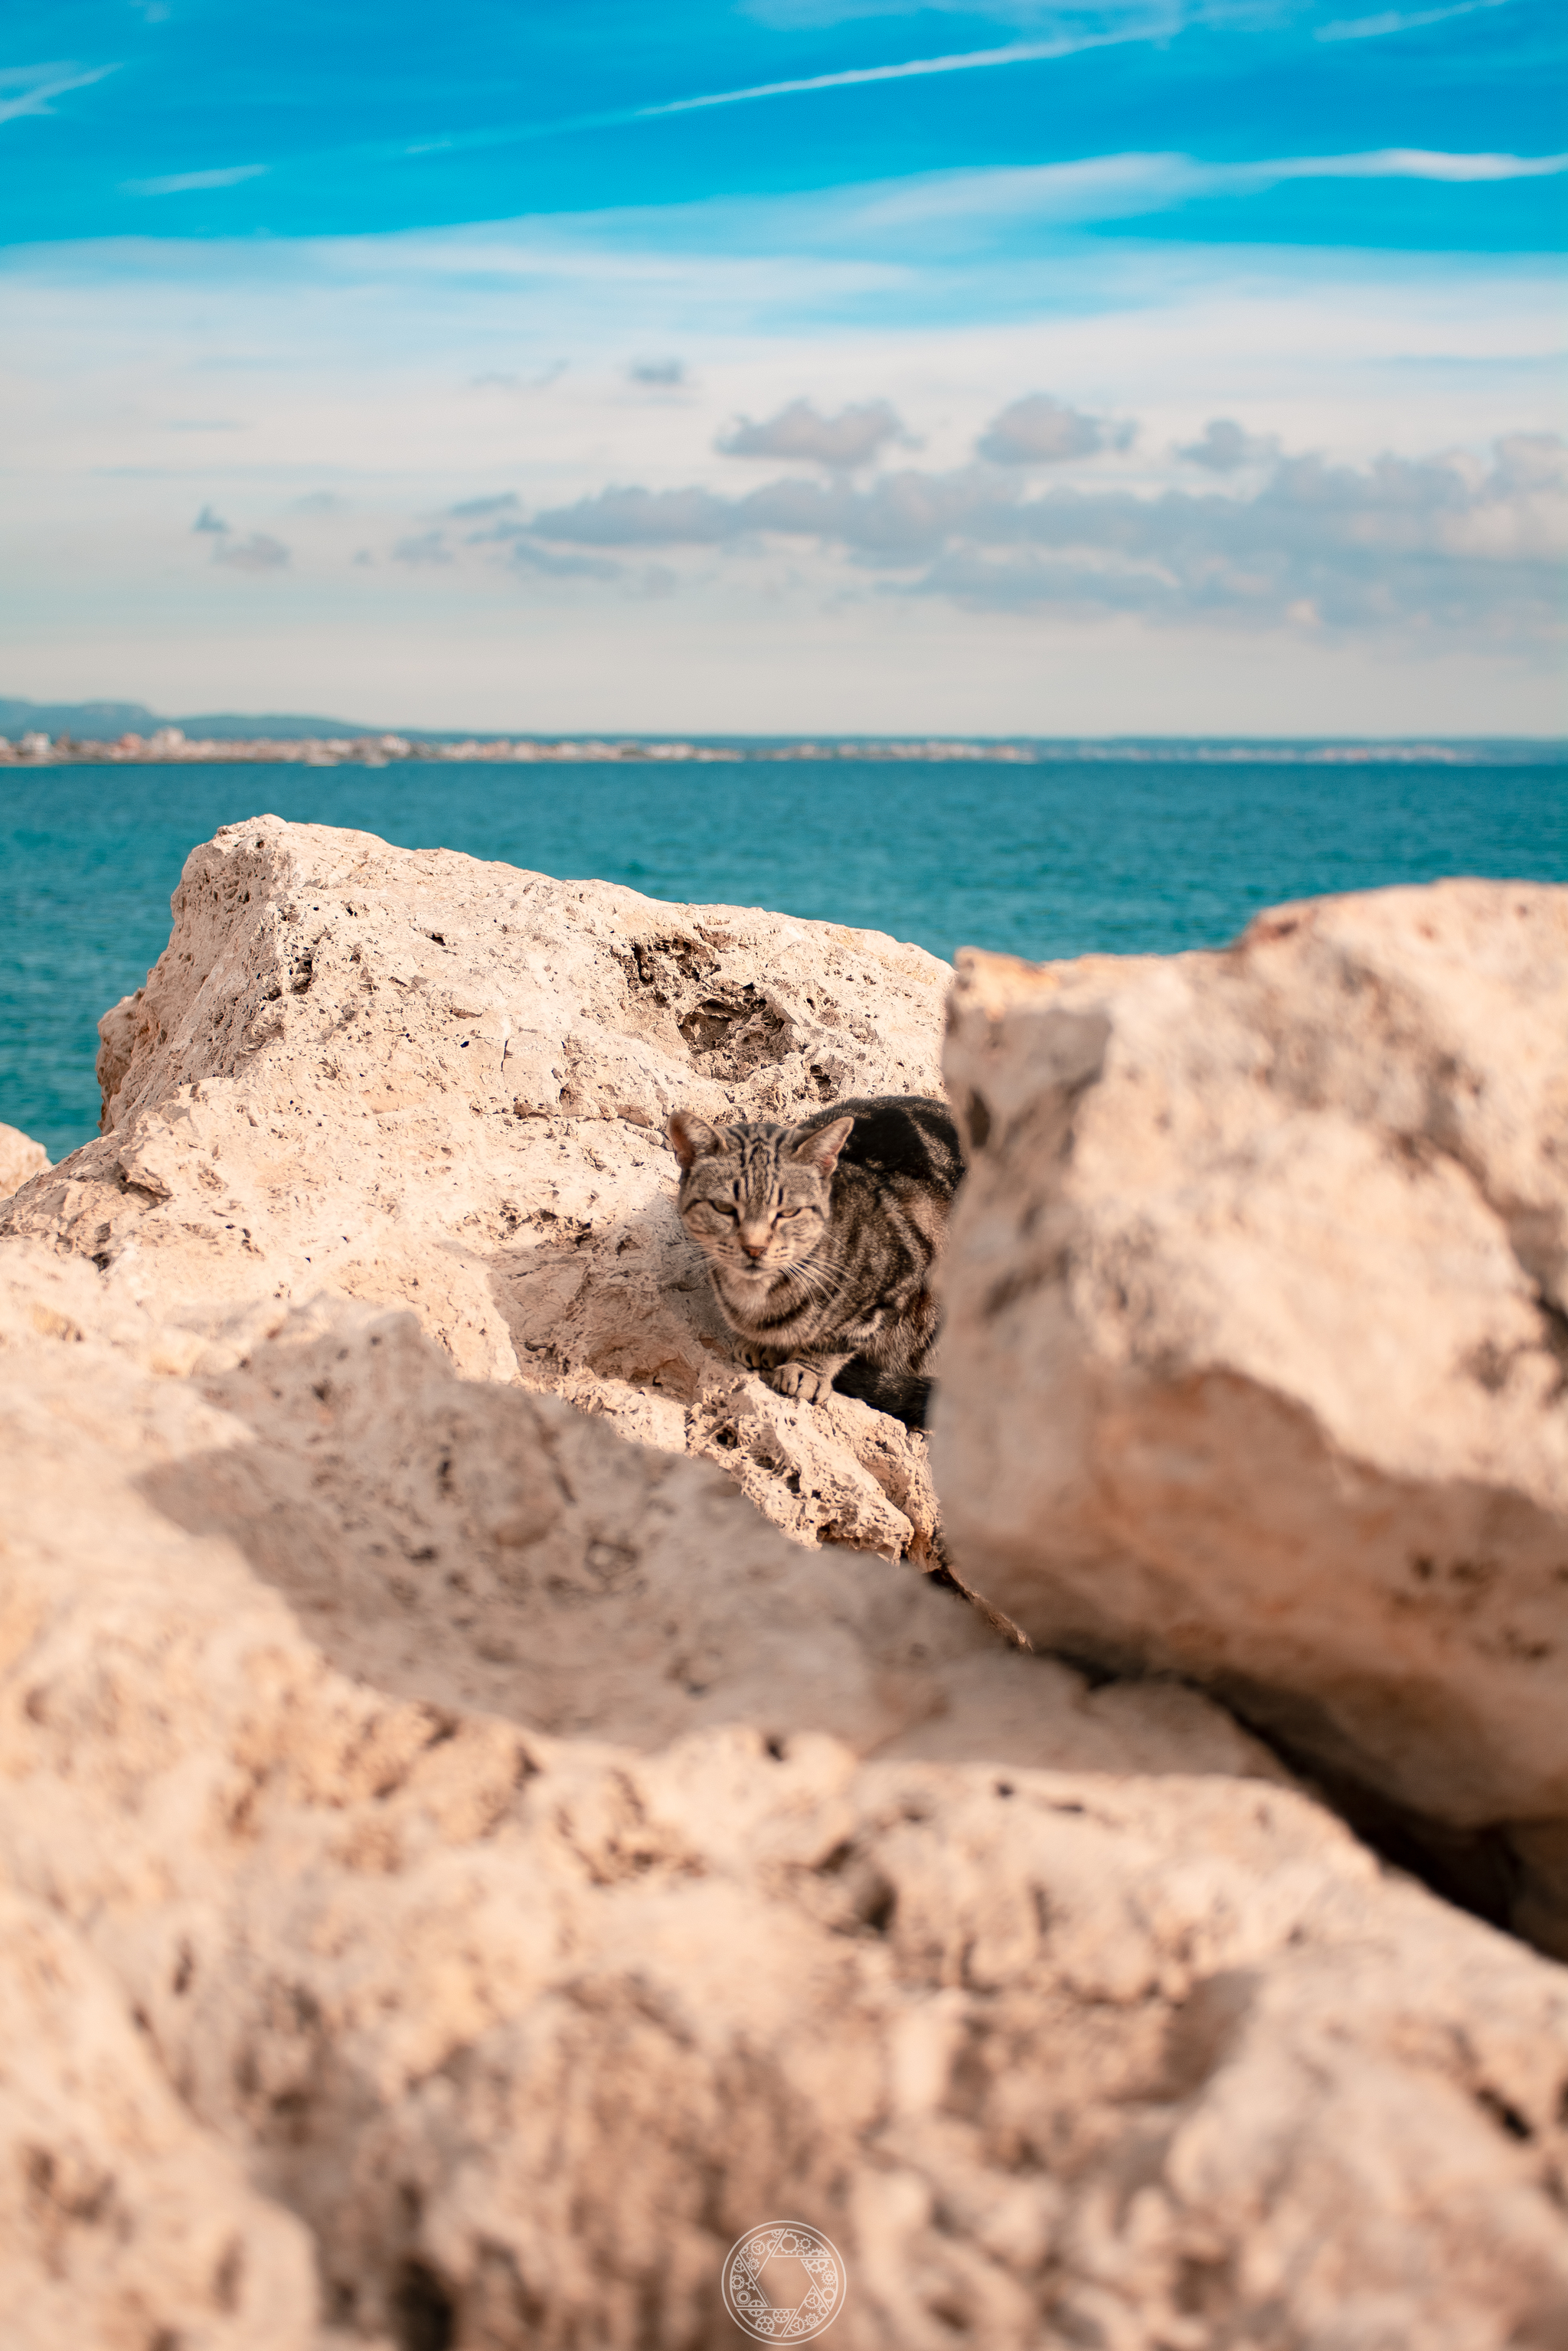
690,1136
821,1145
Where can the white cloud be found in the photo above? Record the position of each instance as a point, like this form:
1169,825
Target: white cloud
1396,20
844,442
554,565
256,553
1224,448
663,375
1397,163
1434,544
1093,31
638,518
31,89
1145,25
1111,187
180,184
792,14
352,360
1040,431
478,509
523,552
1137,22
428,547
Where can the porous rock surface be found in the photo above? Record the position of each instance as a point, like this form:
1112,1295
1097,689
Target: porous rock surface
460,1868
343,2009
20,1157
427,1082
1257,1348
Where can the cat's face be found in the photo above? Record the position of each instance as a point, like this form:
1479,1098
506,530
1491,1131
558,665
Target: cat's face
755,1198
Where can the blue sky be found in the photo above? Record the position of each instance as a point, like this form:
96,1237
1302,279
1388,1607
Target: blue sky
805,363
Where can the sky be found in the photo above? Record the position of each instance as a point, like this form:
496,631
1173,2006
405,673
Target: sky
1156,367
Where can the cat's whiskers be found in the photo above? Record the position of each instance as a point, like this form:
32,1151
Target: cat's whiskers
853,1203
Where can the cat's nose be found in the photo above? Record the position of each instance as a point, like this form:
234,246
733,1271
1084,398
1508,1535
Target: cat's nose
754,1249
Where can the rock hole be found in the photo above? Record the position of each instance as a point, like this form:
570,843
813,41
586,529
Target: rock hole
1488,1367
879,1905
1555,1333
1204,2288
1506,2116
968,2081
979,1118
228,2278
423,2314
732,1034
662,965
1203,2029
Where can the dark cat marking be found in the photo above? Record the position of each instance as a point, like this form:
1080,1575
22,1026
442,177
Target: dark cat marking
820,1239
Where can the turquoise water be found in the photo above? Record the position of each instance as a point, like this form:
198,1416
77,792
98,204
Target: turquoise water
1126,855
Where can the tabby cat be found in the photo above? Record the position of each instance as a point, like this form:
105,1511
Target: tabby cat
820,1239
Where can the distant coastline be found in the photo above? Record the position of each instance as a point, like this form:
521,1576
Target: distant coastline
171,745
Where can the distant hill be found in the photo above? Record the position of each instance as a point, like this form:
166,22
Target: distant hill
94,722
104,722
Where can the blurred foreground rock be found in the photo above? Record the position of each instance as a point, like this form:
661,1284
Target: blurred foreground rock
1257,1352
1090,2031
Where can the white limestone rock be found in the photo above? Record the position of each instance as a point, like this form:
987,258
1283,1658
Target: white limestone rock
425,1081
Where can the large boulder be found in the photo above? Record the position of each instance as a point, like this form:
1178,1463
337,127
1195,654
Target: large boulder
445,1840
429,1082
1255,1361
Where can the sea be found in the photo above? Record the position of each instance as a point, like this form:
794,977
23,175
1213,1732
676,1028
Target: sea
1049,851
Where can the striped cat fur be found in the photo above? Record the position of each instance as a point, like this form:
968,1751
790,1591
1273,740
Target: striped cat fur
821,1241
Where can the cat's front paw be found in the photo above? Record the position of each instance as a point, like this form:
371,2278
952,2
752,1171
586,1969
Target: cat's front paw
756,1359
802,1380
